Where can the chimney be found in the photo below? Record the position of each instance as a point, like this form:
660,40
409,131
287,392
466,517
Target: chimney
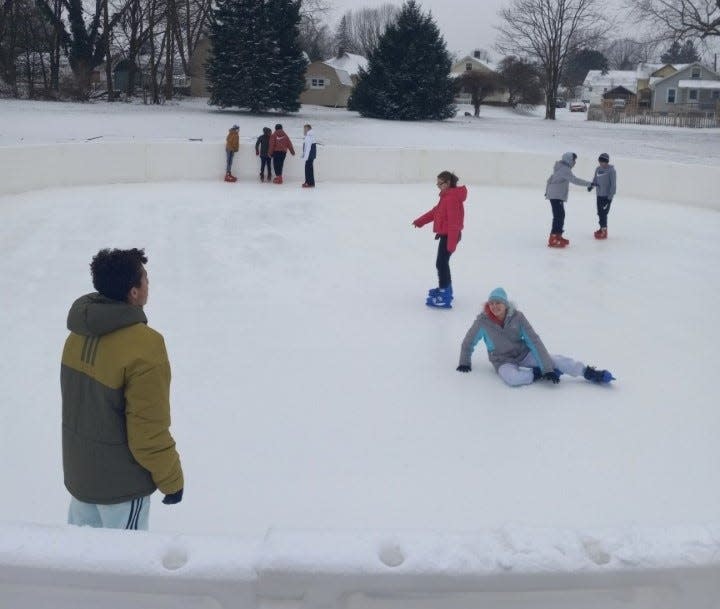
476,53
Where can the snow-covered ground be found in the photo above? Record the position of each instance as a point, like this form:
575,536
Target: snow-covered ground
314,391
496,129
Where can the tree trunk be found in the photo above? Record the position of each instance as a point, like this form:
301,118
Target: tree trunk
108,58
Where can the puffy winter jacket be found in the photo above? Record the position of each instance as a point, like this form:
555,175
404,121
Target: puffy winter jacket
506,343
280,142
232,142
447,216
558,184
115,381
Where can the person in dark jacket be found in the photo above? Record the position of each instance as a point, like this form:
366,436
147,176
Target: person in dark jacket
262,149
280,144
447,218
515,350
115,383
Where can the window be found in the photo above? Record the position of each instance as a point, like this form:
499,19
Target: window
716,94
695,73
317,83
671,96
468,67
693,95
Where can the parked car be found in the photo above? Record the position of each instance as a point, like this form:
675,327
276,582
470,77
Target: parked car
560,103
577,106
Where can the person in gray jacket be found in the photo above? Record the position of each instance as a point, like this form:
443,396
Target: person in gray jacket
515,349
558,186
605,181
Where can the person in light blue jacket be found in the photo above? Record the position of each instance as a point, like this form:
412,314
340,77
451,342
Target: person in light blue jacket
557,189
605,181
515,349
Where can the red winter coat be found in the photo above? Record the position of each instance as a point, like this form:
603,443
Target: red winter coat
280,142
447,216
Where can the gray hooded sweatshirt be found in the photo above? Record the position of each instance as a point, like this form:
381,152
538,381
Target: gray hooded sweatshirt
508,343
558,183
606,181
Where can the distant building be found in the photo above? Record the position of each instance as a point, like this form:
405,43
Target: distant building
330,82
474,62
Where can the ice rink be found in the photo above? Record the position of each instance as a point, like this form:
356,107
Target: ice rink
313,389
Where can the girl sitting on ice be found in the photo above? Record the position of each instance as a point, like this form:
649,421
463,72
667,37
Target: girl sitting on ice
515,350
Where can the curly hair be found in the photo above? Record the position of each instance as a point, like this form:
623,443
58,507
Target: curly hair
115,272
449,177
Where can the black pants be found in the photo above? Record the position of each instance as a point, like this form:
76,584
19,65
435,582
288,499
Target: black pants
443,262
278,162
265,162
558,209
309,171
603,209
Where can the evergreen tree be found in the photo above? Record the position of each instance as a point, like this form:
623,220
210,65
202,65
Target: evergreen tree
677,53
580,63
408,73
256,61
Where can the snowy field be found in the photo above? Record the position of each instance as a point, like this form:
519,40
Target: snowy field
314,391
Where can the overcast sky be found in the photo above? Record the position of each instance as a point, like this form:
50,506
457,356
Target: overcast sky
465,24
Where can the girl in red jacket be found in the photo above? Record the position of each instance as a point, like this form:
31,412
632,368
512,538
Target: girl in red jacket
447,218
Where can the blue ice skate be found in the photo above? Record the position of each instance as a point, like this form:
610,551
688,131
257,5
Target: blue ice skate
435,291
601,377
442,300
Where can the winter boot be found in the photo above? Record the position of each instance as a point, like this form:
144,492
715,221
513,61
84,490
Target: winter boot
443,299
556,241
230,177
277,180
597,376
601,233
564,241
262,177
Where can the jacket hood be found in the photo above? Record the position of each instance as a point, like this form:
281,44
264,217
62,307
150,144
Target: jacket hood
96,315
459,193
567,158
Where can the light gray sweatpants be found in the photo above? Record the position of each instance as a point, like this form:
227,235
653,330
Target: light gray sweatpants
522,374
133,514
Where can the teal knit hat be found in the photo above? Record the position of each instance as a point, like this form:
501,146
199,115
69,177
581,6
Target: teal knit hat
498,295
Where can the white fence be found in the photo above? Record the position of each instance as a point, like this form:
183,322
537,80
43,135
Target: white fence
34,167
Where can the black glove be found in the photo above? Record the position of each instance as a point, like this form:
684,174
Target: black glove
590,187
552,376
174,498
463,368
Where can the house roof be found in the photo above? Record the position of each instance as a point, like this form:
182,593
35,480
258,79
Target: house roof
344,77
683,68
694,83
490,65
349,62
611,79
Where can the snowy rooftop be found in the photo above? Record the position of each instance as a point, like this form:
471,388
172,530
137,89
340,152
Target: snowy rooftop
612,79
349,62
694,83
490,65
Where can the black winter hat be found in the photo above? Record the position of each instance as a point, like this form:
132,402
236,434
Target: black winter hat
604,157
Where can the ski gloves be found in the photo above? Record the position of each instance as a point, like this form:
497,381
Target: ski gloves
173,498
463,368
553,376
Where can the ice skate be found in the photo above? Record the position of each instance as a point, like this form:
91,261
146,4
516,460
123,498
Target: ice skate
262,177
598,376
556,241
601,233
435,291
564,241
442,300
277,180
230,177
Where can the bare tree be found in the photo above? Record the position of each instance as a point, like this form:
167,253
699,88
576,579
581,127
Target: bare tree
360,30
627,53
480,85
522,81
678,19
315,37
547,31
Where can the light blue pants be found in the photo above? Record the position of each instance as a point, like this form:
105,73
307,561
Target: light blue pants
133,514
522,374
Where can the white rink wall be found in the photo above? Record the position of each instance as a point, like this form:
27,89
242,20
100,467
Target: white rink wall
34,167
63,568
